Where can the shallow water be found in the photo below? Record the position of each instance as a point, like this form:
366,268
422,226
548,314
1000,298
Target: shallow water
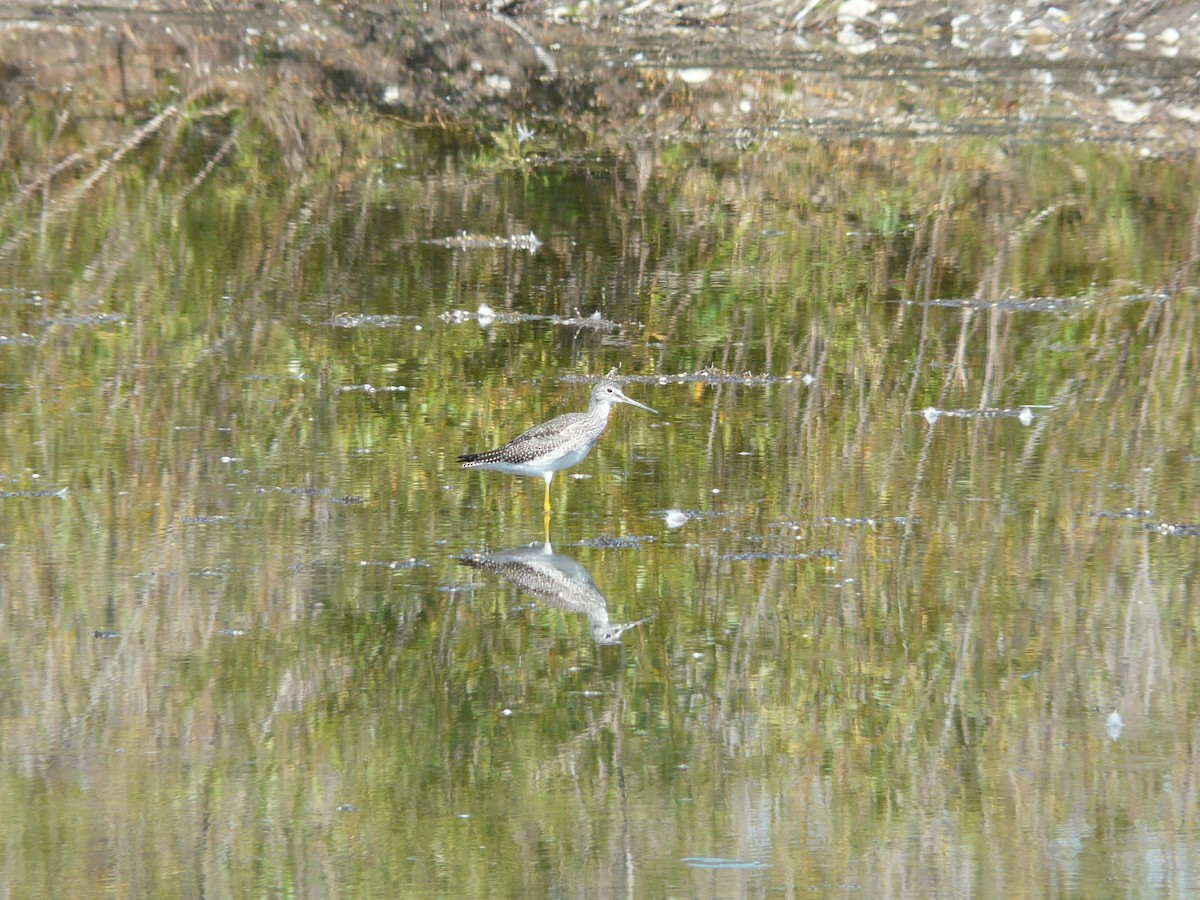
241,653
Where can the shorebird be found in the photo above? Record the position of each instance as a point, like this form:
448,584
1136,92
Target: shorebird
555,445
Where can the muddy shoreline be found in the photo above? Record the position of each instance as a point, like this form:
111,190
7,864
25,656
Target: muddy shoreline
854,69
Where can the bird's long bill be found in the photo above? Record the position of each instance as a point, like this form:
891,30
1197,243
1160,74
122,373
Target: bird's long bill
621,629
623,399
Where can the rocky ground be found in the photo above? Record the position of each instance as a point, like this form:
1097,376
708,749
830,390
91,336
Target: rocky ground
1101,69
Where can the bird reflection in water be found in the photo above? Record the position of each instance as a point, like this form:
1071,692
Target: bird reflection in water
558,581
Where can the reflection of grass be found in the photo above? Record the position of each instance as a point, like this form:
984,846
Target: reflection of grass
509,144
854,710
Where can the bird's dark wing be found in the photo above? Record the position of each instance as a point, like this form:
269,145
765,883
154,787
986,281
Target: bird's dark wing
537,441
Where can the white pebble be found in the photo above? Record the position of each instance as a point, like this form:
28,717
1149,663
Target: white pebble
1187,113
695,75
853,42
850,10
501,84
1127,111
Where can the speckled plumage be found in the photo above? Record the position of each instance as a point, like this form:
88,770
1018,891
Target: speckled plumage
555,445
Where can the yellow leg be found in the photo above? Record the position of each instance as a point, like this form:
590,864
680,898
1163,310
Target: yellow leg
548,478
547,521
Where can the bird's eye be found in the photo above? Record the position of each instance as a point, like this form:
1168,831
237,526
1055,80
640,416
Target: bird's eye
610,390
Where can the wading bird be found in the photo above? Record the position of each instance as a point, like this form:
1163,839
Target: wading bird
555,445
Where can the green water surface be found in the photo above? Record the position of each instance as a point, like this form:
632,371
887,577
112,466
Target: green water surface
884,656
